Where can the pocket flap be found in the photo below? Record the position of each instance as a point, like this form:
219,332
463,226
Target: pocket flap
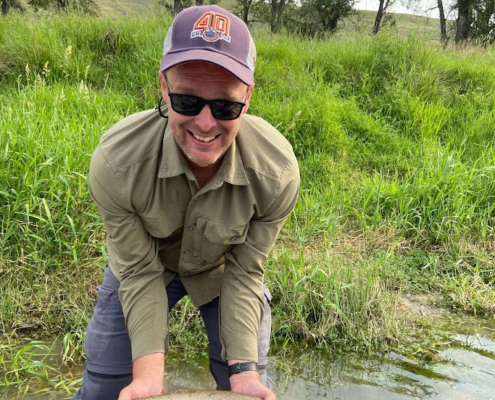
221,233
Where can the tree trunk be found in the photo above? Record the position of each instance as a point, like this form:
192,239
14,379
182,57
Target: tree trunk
5,8
333,22
176,7
245,11
382,9
199,2
463,20
280,15
62,5
273,19
443,26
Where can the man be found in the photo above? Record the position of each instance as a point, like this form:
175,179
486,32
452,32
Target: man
192,204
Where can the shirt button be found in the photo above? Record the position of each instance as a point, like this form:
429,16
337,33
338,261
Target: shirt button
190,227
188,251
233,239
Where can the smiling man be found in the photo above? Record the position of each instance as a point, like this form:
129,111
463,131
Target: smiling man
193,196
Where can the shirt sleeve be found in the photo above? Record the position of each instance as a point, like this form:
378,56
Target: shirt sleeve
133,258
241,297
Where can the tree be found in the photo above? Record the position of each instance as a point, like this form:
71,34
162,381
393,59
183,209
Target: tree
177,7
443,24
243,8
464,17
81,6
417,5
8,4
180,5
318,16
277,12
475,20
382,10
483,22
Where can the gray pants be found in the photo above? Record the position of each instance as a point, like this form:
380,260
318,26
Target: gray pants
108,348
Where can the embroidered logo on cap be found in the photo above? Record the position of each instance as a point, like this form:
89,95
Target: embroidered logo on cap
212,27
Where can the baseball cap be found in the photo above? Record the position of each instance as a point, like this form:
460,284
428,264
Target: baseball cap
211,34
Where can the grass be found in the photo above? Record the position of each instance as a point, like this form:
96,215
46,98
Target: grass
394,136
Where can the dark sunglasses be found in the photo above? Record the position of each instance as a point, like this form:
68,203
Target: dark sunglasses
189,105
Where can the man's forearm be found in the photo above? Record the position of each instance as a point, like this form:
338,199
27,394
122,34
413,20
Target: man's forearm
147,377
149,368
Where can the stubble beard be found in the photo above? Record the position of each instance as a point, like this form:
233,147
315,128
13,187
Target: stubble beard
199,161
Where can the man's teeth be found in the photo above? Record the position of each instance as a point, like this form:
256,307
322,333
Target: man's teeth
204,139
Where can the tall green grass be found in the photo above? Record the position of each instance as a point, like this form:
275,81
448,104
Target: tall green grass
395,139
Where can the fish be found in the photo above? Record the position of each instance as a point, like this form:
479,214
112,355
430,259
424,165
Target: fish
202,395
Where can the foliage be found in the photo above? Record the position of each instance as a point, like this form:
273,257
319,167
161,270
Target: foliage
79,6
242,9
6,5
483,23
169,6
475,20
319,16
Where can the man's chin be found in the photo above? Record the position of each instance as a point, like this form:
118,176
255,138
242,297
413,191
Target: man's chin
201,161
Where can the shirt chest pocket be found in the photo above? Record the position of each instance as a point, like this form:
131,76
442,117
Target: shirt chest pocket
218,237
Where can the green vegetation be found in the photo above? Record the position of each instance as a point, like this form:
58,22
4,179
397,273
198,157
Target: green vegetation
396,144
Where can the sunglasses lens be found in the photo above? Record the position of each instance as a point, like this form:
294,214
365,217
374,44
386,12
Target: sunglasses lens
226,110
186,105
192,106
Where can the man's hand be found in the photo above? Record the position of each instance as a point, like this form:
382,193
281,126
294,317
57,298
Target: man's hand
147,380
248,382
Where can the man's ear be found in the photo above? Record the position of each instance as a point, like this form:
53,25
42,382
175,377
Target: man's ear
163,86
250,92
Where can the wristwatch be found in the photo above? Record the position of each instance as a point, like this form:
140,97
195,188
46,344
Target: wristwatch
242,367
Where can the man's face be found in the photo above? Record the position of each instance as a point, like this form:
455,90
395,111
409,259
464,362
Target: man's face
193,134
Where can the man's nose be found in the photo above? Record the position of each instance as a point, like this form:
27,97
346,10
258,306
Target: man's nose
205,120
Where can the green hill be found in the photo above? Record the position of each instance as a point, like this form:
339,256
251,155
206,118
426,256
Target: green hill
361,22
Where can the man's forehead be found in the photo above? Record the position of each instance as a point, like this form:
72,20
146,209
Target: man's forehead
194,74
197,69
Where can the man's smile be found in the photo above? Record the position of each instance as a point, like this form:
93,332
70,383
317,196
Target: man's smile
203,139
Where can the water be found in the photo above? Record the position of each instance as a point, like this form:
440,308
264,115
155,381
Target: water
460,367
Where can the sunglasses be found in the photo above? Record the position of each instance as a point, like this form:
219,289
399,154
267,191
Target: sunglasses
189,105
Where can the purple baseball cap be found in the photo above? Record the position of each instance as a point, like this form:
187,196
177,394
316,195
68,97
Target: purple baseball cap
211,34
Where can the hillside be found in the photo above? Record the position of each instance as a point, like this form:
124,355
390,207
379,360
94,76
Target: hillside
361,22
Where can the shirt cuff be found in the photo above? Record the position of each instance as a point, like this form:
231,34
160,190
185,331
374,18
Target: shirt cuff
155,341
243,347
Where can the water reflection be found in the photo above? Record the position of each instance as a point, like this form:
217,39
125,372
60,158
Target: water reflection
461,368
455,373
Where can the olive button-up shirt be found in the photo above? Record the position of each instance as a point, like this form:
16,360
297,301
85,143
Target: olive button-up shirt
159,223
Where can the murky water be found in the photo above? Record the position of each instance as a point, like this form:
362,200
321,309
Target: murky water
461,367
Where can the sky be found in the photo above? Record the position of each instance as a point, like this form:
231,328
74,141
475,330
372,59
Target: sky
420,8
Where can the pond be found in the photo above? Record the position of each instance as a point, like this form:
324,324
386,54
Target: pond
460,367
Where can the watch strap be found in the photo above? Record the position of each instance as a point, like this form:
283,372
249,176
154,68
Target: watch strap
237,368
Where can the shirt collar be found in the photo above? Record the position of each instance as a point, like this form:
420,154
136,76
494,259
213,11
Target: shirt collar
173,163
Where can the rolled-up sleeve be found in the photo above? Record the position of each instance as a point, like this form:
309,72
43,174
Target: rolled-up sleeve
241,297
133,258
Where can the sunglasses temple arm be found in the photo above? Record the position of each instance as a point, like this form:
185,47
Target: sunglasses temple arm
159,108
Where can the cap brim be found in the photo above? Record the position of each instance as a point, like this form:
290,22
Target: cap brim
242,72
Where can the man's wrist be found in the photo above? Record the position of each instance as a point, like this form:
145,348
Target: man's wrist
242,376
149,368
240,367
